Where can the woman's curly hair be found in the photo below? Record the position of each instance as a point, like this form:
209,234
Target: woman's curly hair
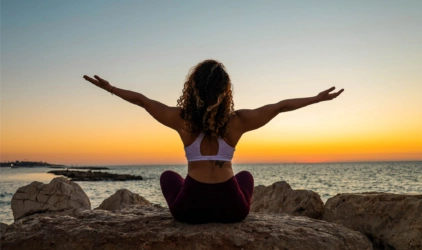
207,99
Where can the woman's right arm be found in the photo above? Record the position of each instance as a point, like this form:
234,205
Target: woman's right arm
168,116
250,119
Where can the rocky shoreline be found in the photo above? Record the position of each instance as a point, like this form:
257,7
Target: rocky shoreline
89,175
58,215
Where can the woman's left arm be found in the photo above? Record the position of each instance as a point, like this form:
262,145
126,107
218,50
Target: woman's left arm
168,116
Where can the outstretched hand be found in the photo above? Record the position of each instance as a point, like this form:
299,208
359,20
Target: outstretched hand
99,82
326,95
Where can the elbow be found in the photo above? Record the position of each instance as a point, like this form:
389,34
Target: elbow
283,107
286,108
139,103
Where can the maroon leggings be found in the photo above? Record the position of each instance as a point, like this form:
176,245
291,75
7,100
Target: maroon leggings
196,202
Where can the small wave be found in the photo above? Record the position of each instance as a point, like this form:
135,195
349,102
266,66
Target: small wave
5,194
5,203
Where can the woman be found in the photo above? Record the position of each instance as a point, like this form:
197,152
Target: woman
210,130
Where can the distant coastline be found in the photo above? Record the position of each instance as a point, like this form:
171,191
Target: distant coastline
31,164
28,164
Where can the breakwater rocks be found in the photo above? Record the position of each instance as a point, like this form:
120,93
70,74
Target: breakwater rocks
84,168
128,221
94,176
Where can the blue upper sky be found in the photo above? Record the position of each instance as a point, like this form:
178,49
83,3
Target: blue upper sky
272,49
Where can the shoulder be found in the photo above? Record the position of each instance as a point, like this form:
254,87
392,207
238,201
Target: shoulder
176,111
234,131
236,118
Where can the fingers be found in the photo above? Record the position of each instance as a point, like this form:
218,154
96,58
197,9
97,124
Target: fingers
334,95
329,90
339,92
90,79
98,78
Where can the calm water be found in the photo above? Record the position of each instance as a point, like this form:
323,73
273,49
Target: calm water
325,179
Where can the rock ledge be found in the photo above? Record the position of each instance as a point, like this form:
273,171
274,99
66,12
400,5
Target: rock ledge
146,227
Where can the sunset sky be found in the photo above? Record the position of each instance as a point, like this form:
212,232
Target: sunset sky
273,50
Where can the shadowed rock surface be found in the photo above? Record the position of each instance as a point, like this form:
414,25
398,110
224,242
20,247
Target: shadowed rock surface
147,227
391,221
281,198
95,176
122,199
59,195
3,227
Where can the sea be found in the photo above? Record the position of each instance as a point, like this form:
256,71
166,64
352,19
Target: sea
326,179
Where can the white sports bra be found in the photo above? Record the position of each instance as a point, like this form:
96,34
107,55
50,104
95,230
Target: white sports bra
193,151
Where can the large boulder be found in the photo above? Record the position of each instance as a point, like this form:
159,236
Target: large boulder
391,221
281,198
122,199
147,227
59,195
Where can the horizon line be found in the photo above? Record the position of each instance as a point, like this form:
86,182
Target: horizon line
253,163
239,163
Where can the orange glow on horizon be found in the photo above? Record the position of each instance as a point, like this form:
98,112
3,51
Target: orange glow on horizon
141,140
165,147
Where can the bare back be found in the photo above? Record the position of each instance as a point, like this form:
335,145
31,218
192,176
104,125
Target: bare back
211,171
